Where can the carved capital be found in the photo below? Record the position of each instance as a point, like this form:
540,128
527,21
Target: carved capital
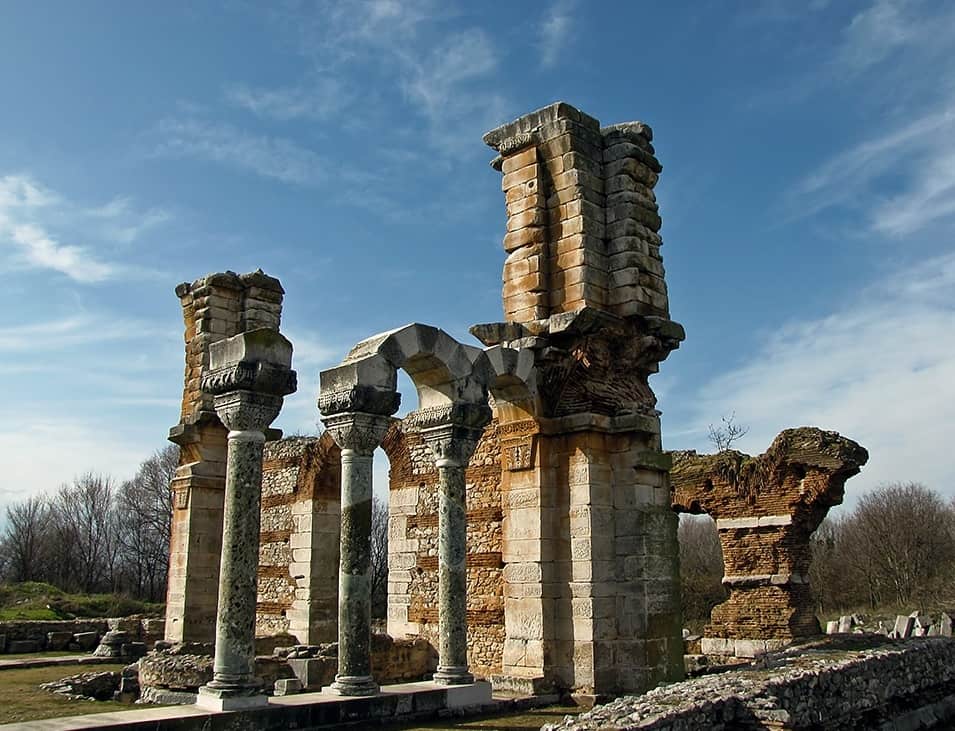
358,431
246,375
452,431
364,399
247,410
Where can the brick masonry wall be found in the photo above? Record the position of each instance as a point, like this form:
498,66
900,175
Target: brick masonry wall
413,545
299,539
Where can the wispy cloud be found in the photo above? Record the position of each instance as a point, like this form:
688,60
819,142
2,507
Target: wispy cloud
72,331
915,160
32,217
270,157
880,369
322,99
555,32
900,179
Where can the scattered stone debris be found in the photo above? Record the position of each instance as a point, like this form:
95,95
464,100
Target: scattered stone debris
916,624
86,686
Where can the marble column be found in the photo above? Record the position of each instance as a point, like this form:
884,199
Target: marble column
453,442
249,376
358,435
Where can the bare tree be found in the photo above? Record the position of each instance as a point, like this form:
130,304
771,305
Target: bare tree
84,532
723,436
143,512
25,539
701,567
379,558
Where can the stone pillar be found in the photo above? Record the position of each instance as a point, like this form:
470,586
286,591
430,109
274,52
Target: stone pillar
358,435
452,433
249,374
214,307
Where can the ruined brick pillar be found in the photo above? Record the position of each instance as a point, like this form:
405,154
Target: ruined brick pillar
214,308
591,587
766,509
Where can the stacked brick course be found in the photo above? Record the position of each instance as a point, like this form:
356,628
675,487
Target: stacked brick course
298,543
582,219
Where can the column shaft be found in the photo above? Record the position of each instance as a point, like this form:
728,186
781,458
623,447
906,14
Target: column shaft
354,583
235,620
452,576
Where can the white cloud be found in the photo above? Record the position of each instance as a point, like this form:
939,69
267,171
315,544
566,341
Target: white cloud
30,214
555,32
43,251
271,157
880,369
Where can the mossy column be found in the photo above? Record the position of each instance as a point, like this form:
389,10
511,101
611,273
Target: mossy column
249,375
452,433
358,435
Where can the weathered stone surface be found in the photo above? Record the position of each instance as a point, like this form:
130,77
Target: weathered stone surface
86,686
214,307
766,508
862,684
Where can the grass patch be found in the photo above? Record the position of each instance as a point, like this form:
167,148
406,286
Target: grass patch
36,601
22,700
507,722
41,655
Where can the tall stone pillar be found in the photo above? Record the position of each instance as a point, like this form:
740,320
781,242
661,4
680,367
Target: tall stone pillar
249,374
358,435
214,307
589,543
452,433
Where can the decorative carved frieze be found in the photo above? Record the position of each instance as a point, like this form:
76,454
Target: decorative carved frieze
366,399
255,376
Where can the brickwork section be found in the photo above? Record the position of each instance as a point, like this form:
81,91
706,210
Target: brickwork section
582,219
214,307
413,545
766,509
299,539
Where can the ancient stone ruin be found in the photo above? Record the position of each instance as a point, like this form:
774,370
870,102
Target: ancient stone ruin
766,508
532,536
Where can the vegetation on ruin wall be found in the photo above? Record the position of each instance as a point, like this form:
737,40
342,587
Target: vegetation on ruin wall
894,551
94,536
37,601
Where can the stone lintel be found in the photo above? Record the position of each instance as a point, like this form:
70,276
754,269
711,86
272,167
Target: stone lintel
741,580
760,521
600,423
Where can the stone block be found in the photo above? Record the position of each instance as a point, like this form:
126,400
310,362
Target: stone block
86,640
287,686
17,647
58,640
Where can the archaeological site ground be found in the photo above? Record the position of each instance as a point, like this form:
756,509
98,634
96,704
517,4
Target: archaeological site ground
532,509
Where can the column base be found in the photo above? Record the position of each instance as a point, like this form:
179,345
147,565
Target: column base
453,675
352,685
231,697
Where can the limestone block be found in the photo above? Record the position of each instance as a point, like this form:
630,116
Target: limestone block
519,160
527,236
520,176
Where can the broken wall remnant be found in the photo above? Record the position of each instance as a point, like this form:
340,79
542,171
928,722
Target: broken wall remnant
298,543
214,307
766,509
591,590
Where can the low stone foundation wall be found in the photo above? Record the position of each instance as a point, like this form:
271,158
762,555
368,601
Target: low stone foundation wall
73,635
848,683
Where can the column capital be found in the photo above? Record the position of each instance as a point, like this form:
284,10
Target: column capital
357,431
452,431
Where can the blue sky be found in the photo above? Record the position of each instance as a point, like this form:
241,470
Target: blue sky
808,198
